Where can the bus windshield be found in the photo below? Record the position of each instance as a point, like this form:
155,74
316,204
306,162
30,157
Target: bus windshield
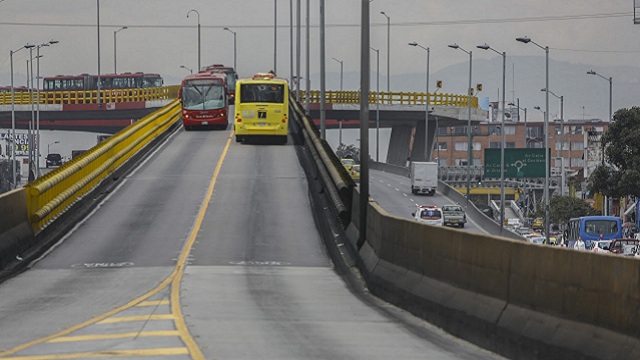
203,94
269,93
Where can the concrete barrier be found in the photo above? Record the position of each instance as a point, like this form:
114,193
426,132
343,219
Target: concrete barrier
521,300
16,234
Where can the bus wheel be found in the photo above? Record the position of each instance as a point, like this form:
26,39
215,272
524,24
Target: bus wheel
283,140
238,138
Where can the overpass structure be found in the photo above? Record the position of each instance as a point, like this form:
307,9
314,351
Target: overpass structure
518,299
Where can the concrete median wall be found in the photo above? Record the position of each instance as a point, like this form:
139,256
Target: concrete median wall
16,234
521,300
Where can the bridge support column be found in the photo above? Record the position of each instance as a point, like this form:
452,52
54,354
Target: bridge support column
400,144
417,154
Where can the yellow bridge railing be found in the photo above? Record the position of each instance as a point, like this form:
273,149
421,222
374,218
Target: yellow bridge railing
171,92
91,97
396,98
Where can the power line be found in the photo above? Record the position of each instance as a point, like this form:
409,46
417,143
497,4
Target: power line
395,24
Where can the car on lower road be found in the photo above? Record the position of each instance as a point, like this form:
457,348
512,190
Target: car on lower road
53,159
428,214
453,215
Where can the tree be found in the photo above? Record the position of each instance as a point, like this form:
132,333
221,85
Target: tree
563,208
620,175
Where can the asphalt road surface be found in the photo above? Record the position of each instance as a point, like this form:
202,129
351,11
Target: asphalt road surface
207,251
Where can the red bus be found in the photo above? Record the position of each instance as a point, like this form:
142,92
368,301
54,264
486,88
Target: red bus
204,101
231,77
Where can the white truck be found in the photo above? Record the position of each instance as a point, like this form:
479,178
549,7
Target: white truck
424,178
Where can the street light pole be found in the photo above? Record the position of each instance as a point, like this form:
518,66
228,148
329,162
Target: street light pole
527,40
502,130
48,145
186,68
469,145
388,52
341,73
197,13
323,94
98,25
51,42
561,98
377,103
610,80
115,58
13,116
364,121
234,48
275,36
426,100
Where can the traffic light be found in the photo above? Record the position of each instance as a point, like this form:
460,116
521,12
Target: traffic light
479,87
439,84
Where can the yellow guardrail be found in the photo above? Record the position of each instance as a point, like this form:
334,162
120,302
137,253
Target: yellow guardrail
401,98
91,97
49,196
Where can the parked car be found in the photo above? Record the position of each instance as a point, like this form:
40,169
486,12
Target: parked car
54,160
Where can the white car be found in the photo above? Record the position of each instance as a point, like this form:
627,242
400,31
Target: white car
600,246
538,240
430,214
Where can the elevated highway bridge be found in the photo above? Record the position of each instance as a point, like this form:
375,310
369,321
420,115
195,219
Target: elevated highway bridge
185,245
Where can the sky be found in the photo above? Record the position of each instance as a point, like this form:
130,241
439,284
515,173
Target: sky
161,38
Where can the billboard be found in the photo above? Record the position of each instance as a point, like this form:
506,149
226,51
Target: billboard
518,163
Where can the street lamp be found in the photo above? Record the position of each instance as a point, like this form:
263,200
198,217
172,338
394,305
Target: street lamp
527,40
234,48
426,100
485,46
341,68
275,36
13,115
610,80
377,102
525,120
388,51
186,68
561,98
469,145
51,42
49,145
197,13
115,59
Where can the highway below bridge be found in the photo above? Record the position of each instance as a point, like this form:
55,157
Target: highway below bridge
209,250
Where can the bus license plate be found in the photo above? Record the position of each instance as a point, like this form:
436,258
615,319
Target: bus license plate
204,123
262,124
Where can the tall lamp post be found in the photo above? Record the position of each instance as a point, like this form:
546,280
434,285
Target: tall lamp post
525,120
38,56
49,145
186,68
388,51
469,145
610,80
197,13
13,116
115,58
377,102
502,142
341,70
426,100
234,48
527,40
561,98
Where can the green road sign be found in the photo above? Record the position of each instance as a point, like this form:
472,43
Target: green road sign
518,163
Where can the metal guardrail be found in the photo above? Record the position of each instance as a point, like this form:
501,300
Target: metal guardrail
91,97
396,98
52,194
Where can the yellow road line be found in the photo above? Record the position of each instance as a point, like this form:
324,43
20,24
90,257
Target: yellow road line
121,319
154,303
107,354
115,336
193,348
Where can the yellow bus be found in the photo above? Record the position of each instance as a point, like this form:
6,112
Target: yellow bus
262,109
